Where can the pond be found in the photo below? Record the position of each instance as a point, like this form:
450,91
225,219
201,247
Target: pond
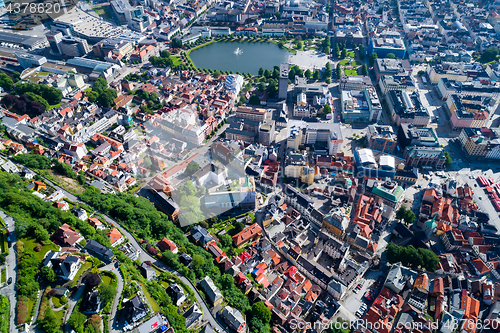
243,57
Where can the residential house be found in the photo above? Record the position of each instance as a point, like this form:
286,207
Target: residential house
213,293
167,245
115,237
251,233
135,310
193,316
64,265
96,224
99,251
176,293
65,236
234,319
146,271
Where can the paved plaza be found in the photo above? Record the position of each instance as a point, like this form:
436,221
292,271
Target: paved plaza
309,59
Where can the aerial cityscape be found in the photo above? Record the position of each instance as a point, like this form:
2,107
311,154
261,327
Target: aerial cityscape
250,166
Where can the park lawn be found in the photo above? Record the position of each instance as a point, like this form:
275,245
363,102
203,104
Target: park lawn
176,60
55,106
60,315
150,299
31,304
56,300
346,62
350,72
351,54
82,269
4,275
31,243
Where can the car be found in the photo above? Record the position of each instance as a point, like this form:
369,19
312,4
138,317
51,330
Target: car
9,281
355,290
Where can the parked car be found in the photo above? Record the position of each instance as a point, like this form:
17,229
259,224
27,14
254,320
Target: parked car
9,281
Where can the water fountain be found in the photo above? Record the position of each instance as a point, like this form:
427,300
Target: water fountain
238,51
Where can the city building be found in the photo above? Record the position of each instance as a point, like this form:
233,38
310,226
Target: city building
381,138
383,46
396,82
468,111
360,106
389,192
324,138
486,88
407,108
25,41
354,82
73,46
367,165
283,81
481,142
258,114
27,60
411,135
430,157
54,37
336,222
386,66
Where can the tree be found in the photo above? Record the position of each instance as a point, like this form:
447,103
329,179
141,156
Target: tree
361,51
338,71
48,273
489,54
326,49
267,74
107,293
5,81
364,70
216,74
192,168
299,45
262,87
409,217
77,320
328,81
336,50
372,59
421,72
92,280
328,70
327,109
197,264
316,75
238,226
400,214
448,159
272,88
390,56
261,71
254,100
343,53
409,256
49,323
261,311
308,74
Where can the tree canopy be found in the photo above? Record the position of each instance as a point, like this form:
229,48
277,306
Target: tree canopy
410,256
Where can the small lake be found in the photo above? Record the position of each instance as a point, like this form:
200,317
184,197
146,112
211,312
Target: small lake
222,56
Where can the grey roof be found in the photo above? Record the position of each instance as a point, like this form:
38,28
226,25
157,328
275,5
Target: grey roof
95,247
210,289
20,39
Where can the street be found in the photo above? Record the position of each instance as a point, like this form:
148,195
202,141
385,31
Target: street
9,290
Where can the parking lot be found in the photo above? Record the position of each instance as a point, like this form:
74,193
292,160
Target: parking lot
354,301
